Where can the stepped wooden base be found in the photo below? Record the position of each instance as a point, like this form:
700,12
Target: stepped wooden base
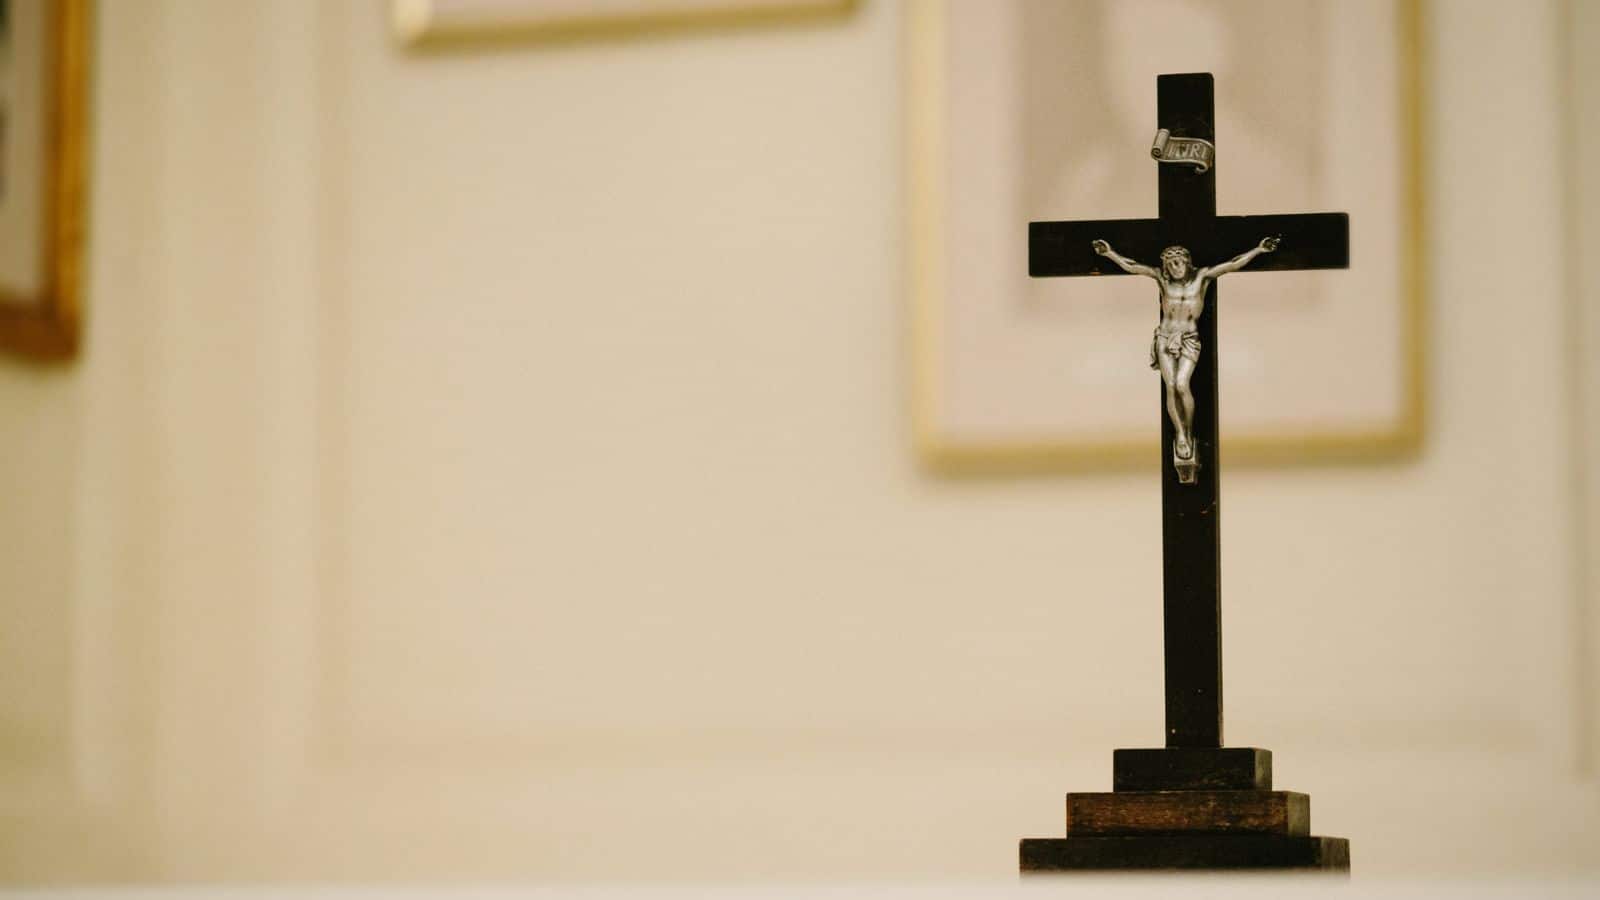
1184,812
1188,809
1188,851
1192,769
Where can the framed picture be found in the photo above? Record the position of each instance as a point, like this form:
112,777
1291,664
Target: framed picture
43,82
430,21
1034,110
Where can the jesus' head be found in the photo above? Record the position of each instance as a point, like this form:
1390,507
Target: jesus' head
1176,262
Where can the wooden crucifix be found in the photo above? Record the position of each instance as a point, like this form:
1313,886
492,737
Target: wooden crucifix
1189,497
1193,804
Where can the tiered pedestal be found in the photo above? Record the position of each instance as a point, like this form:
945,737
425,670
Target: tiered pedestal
1188,809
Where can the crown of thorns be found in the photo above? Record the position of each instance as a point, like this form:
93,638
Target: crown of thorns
1174,253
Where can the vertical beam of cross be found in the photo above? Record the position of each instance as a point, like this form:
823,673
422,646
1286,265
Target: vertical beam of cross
1191,548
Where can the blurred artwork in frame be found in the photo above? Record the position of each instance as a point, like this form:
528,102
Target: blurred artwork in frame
428,22
1038,110
43,56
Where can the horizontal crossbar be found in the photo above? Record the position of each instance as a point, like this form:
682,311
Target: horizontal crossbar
1307,241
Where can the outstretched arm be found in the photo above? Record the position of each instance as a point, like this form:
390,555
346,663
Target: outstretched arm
1126,264
1267,245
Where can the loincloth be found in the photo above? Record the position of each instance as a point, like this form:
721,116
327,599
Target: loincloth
1185,346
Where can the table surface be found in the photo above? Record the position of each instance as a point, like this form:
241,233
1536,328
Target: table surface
1187,887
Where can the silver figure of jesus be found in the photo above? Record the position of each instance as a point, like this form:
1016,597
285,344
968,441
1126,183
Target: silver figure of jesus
1175,346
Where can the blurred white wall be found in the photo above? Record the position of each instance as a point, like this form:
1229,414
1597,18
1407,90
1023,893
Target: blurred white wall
495,464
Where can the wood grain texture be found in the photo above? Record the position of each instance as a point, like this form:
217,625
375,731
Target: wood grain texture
1181,812
1192,769
1329,854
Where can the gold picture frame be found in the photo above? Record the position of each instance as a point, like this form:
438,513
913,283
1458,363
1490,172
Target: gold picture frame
46,324
928,144
444,23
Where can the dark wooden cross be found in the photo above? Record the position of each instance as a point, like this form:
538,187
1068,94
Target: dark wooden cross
1191,549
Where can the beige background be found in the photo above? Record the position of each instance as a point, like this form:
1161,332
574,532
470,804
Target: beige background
495,465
